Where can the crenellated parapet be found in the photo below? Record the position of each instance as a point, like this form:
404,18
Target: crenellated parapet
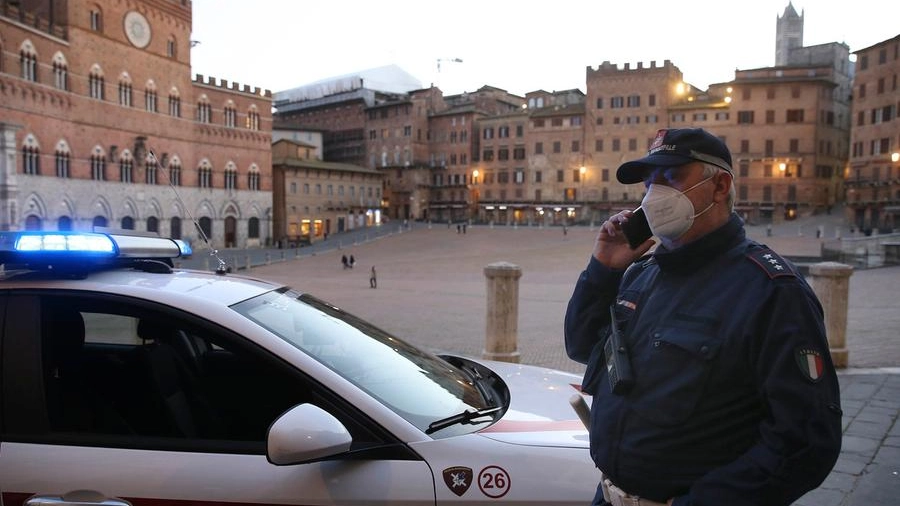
224,84
606,68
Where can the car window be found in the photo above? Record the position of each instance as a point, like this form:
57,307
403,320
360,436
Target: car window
131,375
110,329
418,386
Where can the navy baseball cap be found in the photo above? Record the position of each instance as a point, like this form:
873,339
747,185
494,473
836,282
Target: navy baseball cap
676,147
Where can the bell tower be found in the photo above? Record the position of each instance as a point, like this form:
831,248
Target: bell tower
788,34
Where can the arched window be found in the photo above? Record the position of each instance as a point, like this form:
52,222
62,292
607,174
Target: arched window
126,91
28,61
171,47
126,167
175,228
96,19
152,224
205,174
31,156
230,114
230,176
253,228
252,121
98,221
60,71
175,171
204,110
96,85
127,223
150,97
98,164
151,170
63,159
253,178
174,103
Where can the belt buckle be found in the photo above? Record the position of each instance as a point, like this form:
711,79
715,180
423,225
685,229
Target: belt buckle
618,497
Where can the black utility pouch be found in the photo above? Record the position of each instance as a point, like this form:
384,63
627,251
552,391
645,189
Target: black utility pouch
618,361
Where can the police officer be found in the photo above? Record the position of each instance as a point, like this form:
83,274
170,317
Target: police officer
707,359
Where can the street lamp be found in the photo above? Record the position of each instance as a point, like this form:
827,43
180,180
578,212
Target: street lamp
583,171
475,195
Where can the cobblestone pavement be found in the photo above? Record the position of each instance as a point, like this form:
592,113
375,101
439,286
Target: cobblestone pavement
432,291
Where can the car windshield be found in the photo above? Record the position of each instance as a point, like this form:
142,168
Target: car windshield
415,384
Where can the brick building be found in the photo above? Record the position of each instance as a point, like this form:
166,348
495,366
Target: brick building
873,174
312,198
102,125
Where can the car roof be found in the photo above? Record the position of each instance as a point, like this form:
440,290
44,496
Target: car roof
126,265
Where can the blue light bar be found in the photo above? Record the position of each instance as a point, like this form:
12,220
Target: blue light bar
186,250
75,243
73,251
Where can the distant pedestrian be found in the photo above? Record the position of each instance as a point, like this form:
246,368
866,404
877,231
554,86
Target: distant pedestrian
345,262
352,261
565,230
464,228
458,228
373,278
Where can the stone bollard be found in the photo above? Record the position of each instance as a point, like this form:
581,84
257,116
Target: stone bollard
831,282
501,330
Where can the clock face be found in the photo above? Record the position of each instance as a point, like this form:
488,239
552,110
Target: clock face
137,29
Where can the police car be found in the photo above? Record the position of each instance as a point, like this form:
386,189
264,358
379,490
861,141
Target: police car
124,380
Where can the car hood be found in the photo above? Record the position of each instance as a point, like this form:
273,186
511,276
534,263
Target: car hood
540,412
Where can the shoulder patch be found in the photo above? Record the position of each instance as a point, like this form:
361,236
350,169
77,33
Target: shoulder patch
771,263
811,364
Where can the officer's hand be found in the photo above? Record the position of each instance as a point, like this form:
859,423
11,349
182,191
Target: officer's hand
611,247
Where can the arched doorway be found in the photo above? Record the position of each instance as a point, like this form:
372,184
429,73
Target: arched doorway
230,231
98,222
205,223
33,222
64,223
175,228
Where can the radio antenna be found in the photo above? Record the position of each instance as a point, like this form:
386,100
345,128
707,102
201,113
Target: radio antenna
221,266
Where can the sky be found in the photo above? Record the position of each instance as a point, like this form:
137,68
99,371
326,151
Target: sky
513,45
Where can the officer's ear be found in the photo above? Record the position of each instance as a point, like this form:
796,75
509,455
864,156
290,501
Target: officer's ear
723,181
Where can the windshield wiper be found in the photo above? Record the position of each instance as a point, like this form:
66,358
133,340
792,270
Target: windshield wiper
466,417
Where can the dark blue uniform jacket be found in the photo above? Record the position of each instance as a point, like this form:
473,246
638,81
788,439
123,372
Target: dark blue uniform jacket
735,400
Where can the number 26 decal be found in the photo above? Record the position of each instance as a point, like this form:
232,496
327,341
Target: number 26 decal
494,482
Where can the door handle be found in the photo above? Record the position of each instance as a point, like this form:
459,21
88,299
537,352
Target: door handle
76,498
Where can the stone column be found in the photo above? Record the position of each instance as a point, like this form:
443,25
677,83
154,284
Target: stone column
831,282
502,326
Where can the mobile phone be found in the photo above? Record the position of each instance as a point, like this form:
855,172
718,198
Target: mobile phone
636,229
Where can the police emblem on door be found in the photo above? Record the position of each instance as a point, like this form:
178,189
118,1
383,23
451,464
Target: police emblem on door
458,479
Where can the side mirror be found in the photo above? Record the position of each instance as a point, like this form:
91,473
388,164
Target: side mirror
305,433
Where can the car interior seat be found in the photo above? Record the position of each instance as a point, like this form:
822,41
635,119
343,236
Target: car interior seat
168,392
75,403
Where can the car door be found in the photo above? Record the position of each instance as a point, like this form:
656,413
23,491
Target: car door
162,406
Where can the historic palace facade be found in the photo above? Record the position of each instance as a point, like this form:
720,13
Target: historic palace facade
103,126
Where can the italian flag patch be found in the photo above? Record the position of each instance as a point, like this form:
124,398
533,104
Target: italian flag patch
811,364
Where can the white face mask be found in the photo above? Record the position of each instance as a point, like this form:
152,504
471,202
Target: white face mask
669,212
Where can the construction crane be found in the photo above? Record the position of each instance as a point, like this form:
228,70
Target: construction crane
452,60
